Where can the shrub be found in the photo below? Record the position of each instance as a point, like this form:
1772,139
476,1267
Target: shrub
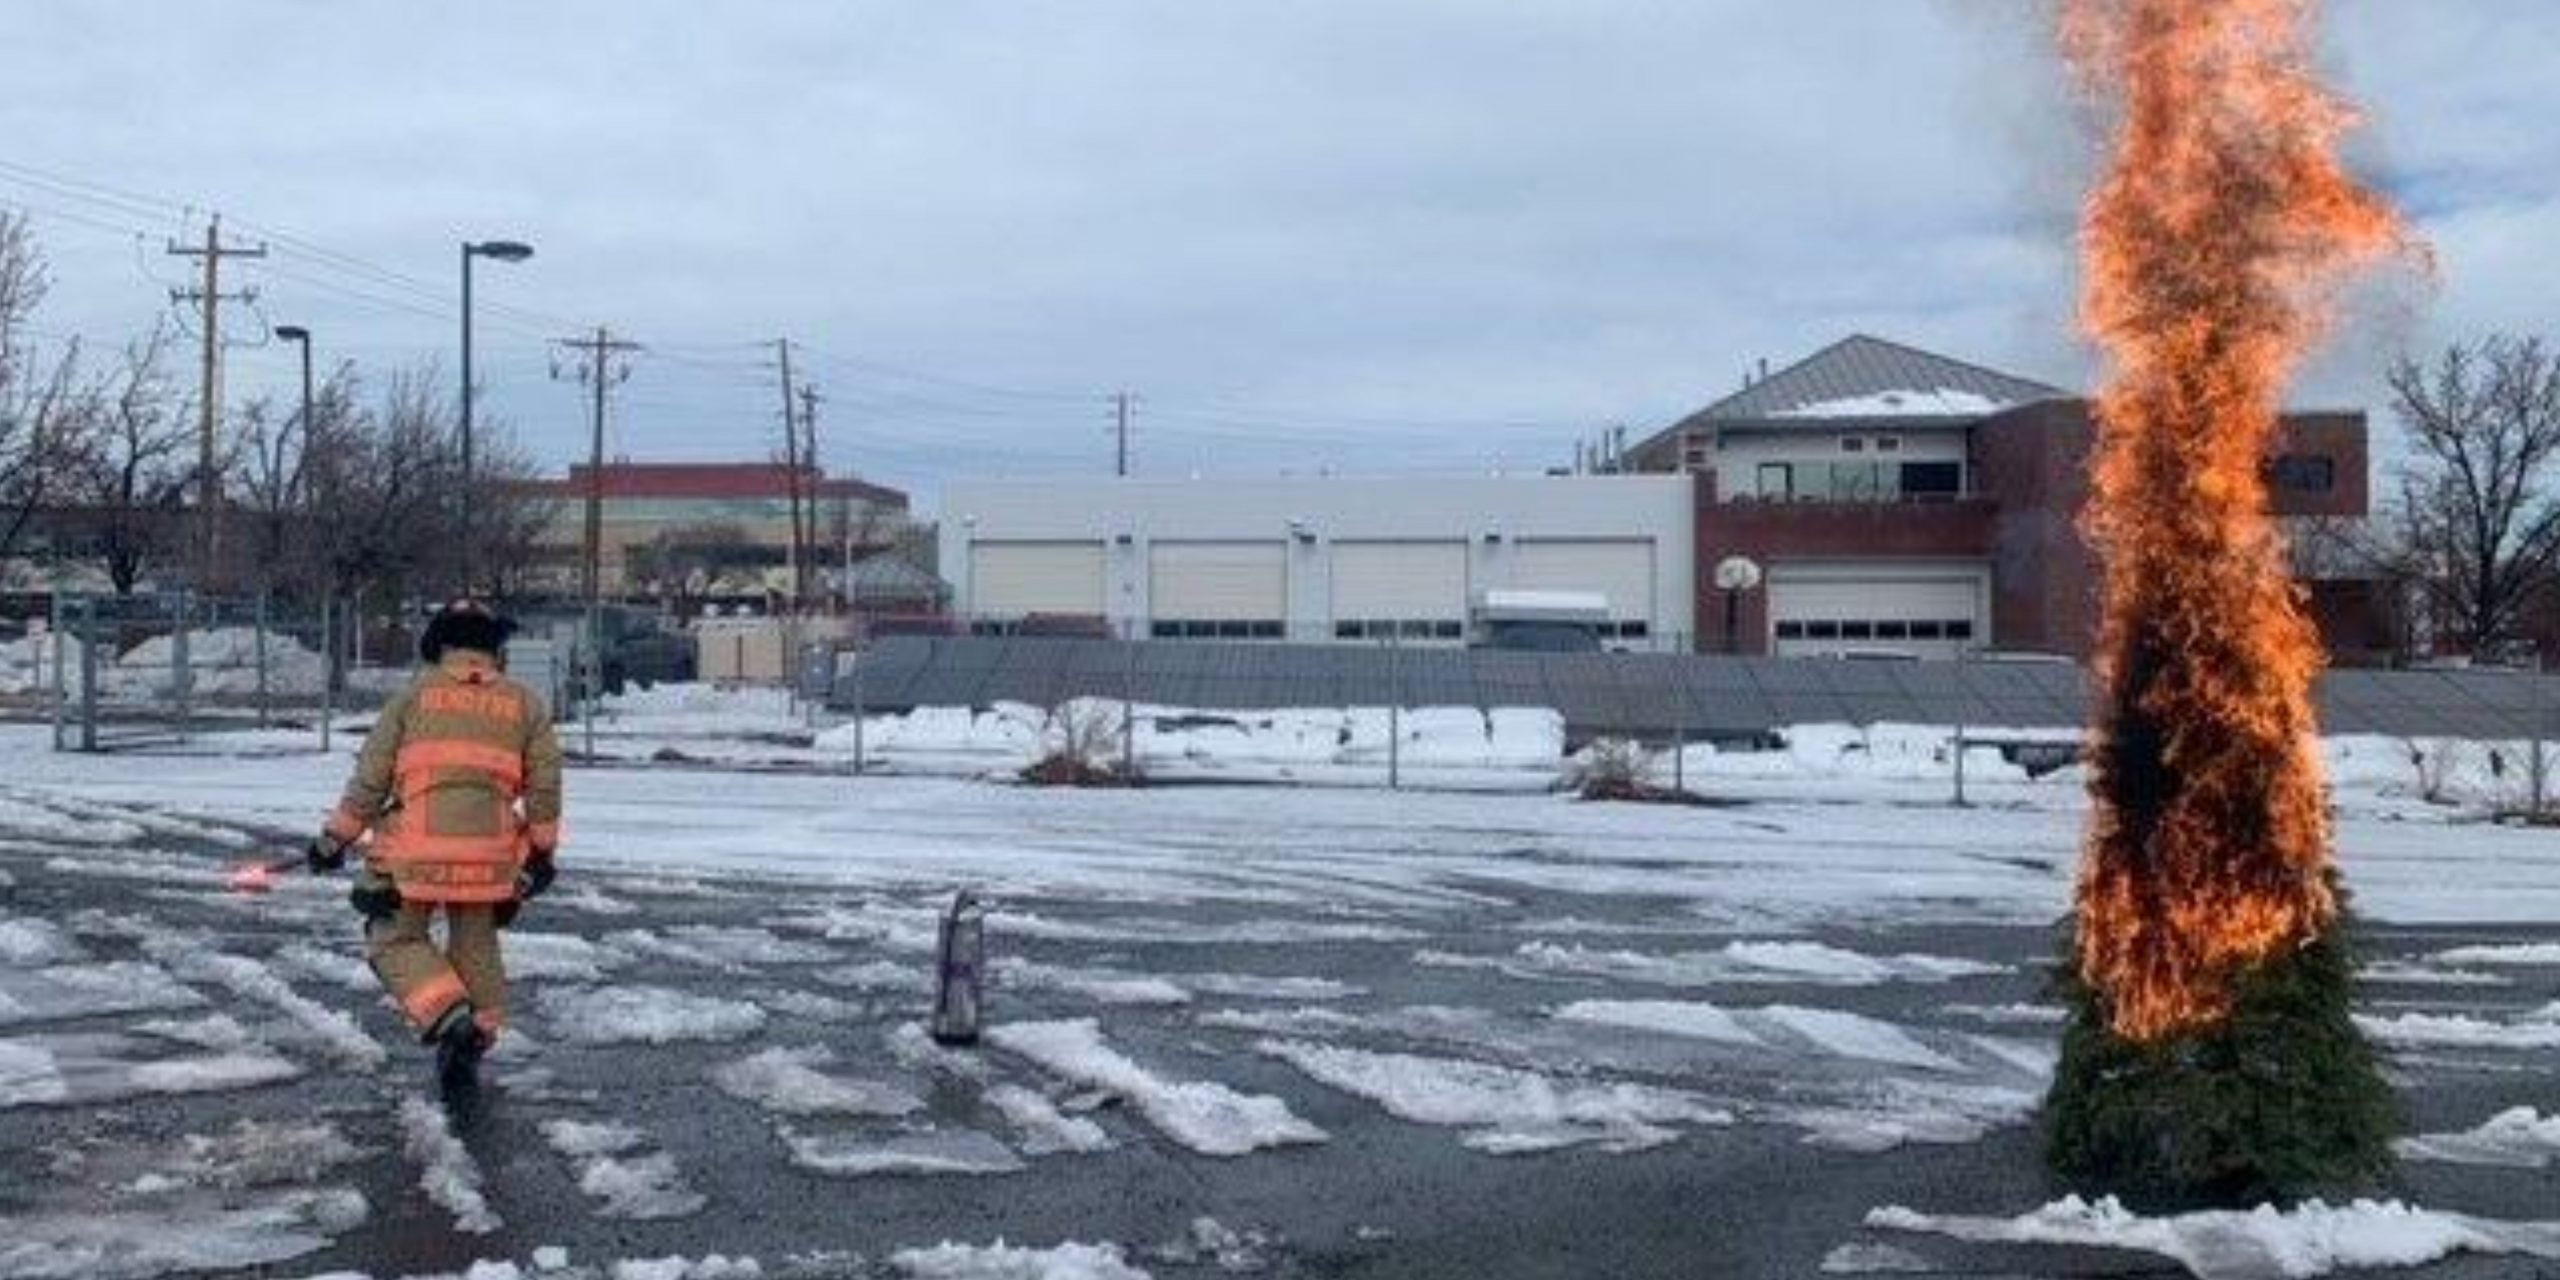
1081,746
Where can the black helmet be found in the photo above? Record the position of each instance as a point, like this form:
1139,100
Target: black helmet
465,624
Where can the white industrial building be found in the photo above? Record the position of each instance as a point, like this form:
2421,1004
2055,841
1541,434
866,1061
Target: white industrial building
1320,559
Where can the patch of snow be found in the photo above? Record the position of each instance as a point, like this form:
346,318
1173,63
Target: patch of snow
212,1031
1506,1110
1206,1117
916,1049
88,990
1739,962
1863,1259
2520,955
883,976
1102,986
2313,1239
2401,973
645,1015
446,1171
2520,1138
251,980
1851,1035
1258,986
560,957
255,1153
713,1266
550,1257
1893,1113
1044,1129
1210,1241
1909,402
2459,1031
948,1151
794,1003
343,969
579,1139
254,1232
646,1188
1695,1020
2032,1015
788,1082
29,1074
217,1073
1001,1261
29,944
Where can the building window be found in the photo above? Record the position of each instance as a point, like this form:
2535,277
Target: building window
1874,629
1932,479
1382,629
1791,631
1864,482
1853,444
1218,629
1888,444
2303,473
1777,481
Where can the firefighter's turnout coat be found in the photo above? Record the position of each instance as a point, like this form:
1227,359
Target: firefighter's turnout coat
459,783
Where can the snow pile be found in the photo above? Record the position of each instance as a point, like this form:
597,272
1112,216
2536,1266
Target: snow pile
2016,1014
340,968
1257,986
1001,1261
1880,752
253,1153
1893,1112
221,662
1044,1129
1859,1258
2521,1138
788,1082
446,1171
713,947
1506,1111
1102,986
2311,1240
1911,402
1206,1117
646,1015
964,1152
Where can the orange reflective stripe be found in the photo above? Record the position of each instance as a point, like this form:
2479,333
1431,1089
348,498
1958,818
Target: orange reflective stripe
410,847
429,1000
419,758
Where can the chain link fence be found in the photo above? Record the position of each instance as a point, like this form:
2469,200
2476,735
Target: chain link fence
170,670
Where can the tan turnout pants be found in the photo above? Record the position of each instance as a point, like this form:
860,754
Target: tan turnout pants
428,982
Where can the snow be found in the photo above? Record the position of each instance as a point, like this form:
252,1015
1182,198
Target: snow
1044,1129
718,948
2459,1031
256,1231
1912,402
27,944
880,976
342,969
1852,1035
2534,955
89,990
212,1031
2016,1014
1506,1110
562,957
1697,1021
788,1082
91,1069
579,1139
647,1188
708,1267
1102,986
939,1152
2520,1138
645,1015
1257,986
251,980
446,1171
1204,1116
1738,962
1001,1261
1865,1259
2313,1239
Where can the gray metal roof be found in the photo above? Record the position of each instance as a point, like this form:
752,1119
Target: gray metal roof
1863,378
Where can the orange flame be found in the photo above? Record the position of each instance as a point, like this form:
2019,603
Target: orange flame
2212,247
252,877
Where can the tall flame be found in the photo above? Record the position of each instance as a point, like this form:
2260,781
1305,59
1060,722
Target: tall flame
2212,246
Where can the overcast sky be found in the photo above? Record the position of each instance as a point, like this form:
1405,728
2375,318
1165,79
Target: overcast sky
1370,235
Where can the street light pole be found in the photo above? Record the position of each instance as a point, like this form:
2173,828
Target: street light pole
503,251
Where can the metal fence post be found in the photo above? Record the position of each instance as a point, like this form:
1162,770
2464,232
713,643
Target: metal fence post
89,675
1129,708
60,698
261,646
1680,741
1395,706
2539,728
1962,691
858,729
328,668
181,670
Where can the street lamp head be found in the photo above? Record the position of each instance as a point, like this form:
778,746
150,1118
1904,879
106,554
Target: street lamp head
502,250
293,333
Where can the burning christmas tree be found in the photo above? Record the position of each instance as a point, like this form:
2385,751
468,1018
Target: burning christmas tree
2212,1055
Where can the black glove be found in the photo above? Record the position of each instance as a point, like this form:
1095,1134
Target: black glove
535,877
324,856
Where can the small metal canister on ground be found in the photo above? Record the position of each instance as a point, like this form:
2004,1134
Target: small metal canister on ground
960,971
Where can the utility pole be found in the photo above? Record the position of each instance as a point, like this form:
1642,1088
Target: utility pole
210,296
599,373
799,555
1121,403
809,399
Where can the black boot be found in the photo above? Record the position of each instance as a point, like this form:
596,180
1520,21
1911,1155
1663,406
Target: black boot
459,1042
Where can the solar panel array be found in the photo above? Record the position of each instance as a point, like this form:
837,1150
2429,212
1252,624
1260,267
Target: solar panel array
1650,695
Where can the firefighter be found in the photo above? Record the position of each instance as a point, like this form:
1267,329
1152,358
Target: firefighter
459,786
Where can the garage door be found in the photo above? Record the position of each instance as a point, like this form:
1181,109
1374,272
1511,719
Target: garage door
1376,584
1010,579
1232,590
1926,613
1620,569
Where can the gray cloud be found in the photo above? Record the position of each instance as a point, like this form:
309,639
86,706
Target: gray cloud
1364,235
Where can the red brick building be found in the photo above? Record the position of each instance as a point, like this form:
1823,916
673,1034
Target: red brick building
1896,501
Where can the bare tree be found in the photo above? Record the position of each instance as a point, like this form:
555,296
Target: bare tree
41,416
129,483
2479,514
680,564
